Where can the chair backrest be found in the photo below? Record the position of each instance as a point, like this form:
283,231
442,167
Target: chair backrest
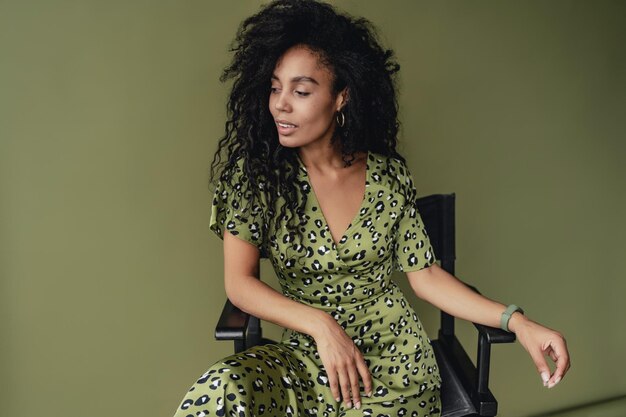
438,216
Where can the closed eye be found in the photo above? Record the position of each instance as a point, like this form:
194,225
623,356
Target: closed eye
273,90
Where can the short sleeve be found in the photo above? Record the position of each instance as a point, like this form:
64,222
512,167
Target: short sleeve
232,210
412,248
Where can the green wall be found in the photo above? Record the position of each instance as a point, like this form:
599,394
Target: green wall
111,283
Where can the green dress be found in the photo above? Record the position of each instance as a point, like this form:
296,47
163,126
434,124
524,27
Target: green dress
351,281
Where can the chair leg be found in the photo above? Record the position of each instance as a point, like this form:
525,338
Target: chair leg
483,362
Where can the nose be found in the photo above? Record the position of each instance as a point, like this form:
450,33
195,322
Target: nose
281,101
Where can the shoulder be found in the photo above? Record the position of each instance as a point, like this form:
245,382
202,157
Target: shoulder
392,173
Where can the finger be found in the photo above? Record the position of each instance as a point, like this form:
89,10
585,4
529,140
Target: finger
344,383
365,376
552,355
561,362
334,384
540,363
354,383
569,360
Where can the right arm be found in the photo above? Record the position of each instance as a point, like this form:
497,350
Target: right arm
341,357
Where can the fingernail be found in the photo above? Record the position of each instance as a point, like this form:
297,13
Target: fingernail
556,381
357,405
349,405
338,399
545,376
369,394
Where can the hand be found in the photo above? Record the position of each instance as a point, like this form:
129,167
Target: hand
540,341
343,362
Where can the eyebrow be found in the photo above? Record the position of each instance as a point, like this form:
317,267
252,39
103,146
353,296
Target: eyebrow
298,78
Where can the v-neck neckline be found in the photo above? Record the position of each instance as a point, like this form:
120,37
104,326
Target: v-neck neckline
356,216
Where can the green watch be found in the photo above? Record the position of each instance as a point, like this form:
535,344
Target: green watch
506,316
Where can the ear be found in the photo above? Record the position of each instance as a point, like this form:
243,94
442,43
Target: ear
342,98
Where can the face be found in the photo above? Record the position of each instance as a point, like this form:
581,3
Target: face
301,97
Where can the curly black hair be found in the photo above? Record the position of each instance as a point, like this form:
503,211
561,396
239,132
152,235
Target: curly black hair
350,49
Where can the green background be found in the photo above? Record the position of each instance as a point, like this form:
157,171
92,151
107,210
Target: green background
111,282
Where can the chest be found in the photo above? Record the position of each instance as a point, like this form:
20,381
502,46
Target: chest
339,199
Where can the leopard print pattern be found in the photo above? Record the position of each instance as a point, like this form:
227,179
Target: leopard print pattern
349,280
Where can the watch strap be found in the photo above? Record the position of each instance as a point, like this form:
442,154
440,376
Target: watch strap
506,316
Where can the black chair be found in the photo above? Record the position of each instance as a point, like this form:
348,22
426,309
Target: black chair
464,390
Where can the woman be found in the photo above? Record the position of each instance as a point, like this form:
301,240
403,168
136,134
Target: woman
312,181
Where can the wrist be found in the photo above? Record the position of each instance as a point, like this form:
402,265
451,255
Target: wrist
516,321
321,323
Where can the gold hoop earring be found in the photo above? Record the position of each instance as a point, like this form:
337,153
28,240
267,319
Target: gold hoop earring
343,118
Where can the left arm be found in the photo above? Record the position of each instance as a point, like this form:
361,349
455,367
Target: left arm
443,290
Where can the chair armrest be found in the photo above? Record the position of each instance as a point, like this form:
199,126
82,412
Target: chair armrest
492,334
242,328
232,323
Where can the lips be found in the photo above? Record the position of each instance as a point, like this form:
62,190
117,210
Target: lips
284,127
285,123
